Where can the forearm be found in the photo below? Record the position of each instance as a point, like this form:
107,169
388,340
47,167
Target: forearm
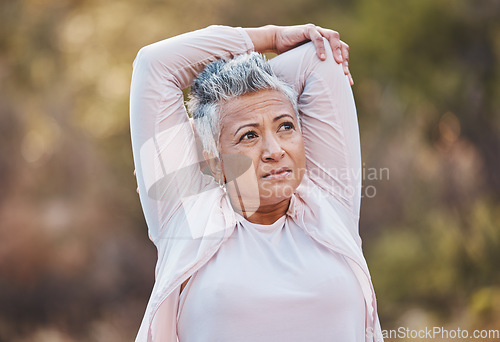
181,58
263,38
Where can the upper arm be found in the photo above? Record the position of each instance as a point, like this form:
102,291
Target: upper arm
329,122
162,141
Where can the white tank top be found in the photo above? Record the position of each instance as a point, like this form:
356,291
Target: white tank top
272,283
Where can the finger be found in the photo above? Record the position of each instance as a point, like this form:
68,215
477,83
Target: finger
317,40
135,174
335,43
345,56
345,67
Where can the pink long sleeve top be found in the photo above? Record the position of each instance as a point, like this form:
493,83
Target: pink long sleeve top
196,231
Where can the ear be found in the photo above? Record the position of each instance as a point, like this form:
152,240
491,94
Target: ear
215,165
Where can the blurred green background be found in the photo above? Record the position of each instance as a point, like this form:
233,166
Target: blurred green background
75,260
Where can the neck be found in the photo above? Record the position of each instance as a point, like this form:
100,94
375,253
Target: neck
267,214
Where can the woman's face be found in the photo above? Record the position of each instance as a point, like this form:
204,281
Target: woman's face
261,127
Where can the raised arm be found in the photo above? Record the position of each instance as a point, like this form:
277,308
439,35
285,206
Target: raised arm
163,142
319,73
329,123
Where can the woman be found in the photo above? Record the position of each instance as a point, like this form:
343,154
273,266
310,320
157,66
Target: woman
265,247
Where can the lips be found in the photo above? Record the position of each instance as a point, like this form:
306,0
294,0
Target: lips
277,173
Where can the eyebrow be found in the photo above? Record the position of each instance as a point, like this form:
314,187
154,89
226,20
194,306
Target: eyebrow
257,125
247,125
282,116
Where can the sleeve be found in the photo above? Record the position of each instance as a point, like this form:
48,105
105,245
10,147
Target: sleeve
163,142
329,122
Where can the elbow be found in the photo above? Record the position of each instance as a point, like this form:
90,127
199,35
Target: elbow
145,57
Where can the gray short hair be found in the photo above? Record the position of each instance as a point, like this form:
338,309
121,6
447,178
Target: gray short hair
223,80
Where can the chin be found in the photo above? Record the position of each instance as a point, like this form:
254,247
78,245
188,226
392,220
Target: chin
276,193
268,202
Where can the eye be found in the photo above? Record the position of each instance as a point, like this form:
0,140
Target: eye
286,126
248,136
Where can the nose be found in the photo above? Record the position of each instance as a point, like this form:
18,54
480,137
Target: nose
272,150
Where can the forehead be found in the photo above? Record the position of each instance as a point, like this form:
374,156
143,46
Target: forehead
255,106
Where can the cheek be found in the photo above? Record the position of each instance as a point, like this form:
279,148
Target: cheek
251,154
297,151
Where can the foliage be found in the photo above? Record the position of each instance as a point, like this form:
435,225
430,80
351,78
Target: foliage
75,261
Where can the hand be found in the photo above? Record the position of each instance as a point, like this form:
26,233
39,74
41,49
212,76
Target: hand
288,37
